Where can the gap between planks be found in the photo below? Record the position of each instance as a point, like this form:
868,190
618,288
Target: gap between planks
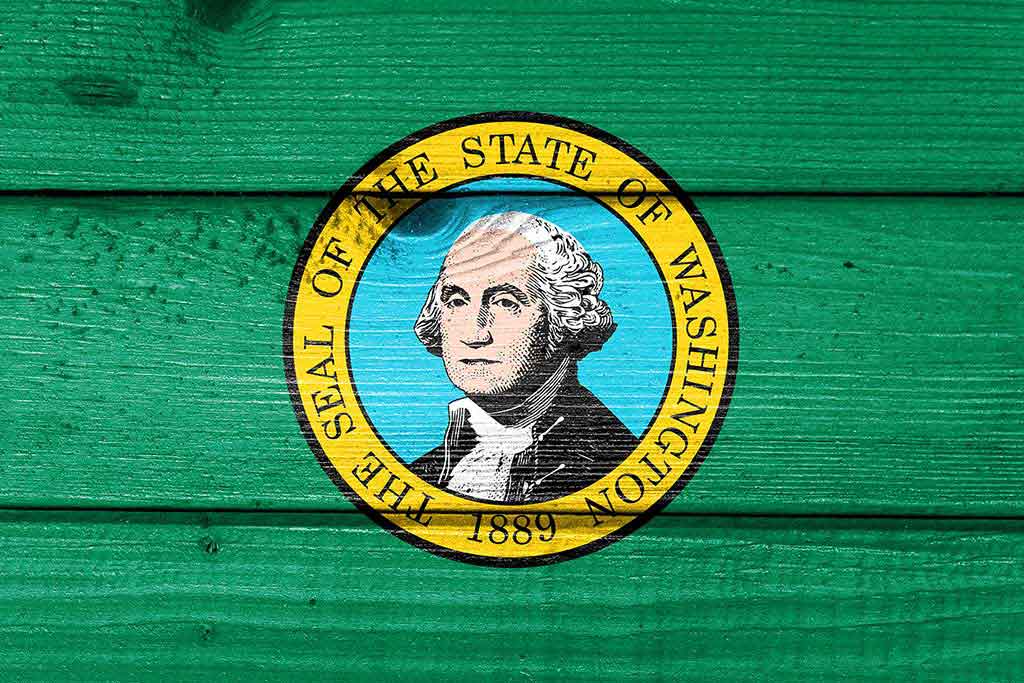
325,193
150,510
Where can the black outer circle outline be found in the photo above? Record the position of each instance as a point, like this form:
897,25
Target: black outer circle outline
529,117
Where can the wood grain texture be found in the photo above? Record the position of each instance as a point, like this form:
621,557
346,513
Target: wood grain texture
880,368
272,597
880,356
728,95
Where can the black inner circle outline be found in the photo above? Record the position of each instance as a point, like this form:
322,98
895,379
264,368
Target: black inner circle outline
577,192
497,117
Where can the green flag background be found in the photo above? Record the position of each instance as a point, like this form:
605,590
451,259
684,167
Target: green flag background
860,516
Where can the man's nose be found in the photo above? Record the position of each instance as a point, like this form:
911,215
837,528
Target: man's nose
479,333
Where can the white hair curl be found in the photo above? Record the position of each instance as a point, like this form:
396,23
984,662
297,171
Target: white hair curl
566,279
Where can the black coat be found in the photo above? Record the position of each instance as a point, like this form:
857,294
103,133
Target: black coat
577,441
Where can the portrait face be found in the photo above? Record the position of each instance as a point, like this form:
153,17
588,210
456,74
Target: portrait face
492,326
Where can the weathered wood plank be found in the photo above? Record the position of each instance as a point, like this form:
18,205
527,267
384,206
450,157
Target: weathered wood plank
181,596
891,96
880,366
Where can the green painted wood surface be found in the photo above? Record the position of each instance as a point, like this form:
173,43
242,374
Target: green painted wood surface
726,95
880,368
99,596
880,356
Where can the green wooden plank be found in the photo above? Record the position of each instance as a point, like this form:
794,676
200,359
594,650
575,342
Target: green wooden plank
880,356
272,597
891,96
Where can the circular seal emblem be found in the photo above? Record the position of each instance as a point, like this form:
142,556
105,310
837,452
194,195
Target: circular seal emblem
510,339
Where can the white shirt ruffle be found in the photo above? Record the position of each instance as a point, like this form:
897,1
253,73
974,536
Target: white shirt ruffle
485,471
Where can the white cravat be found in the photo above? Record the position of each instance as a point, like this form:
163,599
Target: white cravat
484,471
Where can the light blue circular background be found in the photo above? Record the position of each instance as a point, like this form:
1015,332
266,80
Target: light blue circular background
404,389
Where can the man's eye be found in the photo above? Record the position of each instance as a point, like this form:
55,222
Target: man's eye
508,303
455,302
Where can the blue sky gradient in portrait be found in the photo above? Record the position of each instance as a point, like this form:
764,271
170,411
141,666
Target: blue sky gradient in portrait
404,389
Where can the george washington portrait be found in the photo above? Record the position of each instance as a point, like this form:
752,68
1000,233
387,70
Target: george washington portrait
515,308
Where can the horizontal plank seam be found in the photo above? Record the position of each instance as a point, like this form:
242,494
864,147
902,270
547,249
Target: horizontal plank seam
582,513
471,193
